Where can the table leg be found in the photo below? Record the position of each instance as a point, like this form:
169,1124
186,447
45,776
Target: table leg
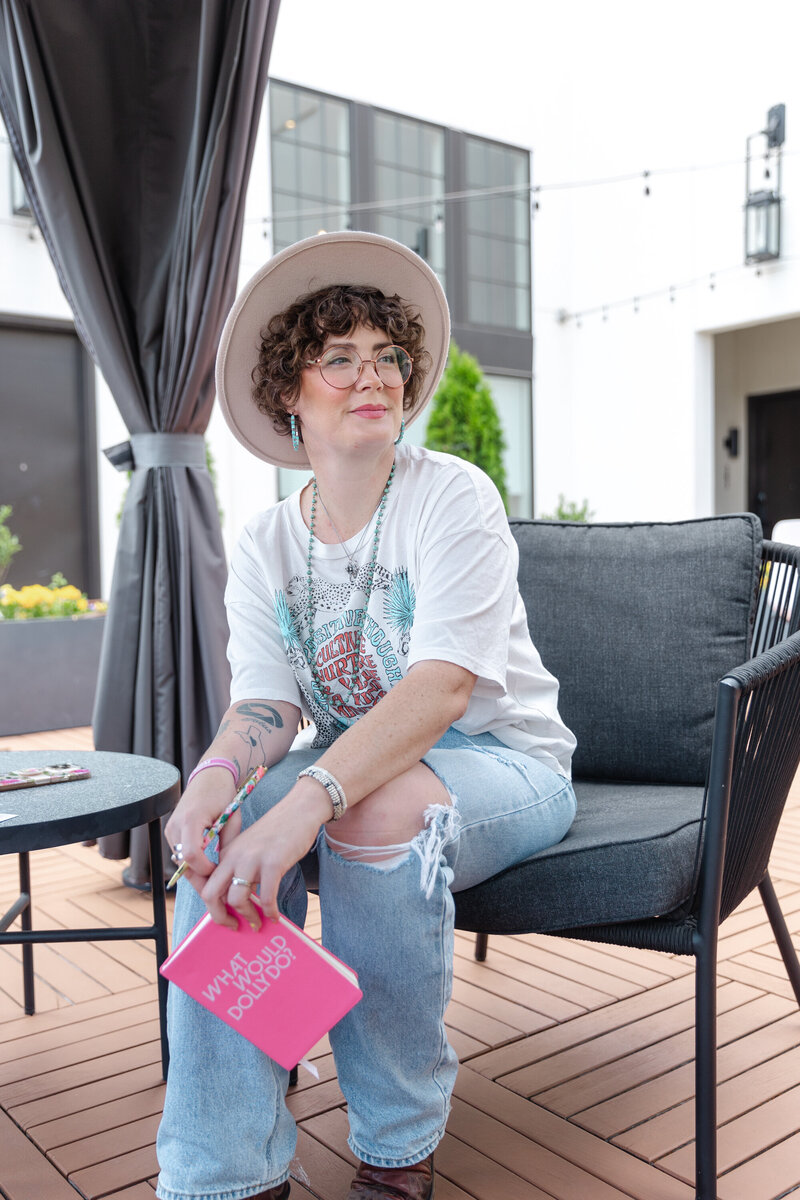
160,922
26,920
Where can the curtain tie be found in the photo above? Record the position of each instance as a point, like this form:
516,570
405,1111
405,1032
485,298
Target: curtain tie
144,450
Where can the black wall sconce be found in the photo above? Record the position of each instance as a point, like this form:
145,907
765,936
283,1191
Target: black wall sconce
731,443
762,210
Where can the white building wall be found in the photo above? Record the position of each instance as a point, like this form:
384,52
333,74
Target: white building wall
624,407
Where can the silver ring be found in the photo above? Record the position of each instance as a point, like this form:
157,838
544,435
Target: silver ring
237,881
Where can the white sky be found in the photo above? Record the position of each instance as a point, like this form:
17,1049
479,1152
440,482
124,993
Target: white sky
529,71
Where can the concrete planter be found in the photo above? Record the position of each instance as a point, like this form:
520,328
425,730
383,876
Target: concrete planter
48,672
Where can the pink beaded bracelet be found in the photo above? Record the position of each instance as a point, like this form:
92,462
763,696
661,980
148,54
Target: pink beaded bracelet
215,762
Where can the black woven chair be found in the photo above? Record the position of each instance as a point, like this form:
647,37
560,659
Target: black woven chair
663,848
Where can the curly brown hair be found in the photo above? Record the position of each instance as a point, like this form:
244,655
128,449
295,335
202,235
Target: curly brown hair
298,334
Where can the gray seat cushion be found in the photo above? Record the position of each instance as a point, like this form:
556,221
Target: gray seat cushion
629,854
639,623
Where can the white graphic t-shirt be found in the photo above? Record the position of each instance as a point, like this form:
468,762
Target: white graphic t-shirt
444,587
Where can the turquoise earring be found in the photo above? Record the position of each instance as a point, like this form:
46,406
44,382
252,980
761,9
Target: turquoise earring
399,437
295,435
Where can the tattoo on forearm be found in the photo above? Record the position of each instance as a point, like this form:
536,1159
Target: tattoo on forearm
262,718
262,714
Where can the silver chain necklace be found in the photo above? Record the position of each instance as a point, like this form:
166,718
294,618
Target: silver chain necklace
318,685
352,565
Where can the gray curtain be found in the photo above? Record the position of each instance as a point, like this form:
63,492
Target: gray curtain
133,124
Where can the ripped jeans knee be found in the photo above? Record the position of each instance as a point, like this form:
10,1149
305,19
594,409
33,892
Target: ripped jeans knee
440,827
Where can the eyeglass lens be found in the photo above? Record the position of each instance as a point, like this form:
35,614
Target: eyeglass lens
341,367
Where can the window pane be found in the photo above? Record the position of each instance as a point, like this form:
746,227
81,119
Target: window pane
498,236
409,164
310,163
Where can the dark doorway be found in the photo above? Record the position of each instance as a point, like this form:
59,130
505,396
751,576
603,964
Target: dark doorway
48,452
774,457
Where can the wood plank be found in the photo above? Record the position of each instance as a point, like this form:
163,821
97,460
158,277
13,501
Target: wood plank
529,1050
80,1031
98,1119
659,1097
322,1171
98,1091
75,1052
572,968
76,1076
746,1091
27,1175
596,1156
518,1016
772,1174
578,996
101,1147
624,1072
535,1163
479,1025
747,1136
116,1173
314,1100
778,985
139,1191
669,1127
44,1066
41,1023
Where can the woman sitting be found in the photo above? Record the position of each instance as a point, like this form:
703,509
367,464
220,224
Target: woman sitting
381,602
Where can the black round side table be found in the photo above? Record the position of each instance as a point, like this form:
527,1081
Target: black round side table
123,791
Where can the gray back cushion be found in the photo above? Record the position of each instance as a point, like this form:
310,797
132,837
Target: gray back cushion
638,623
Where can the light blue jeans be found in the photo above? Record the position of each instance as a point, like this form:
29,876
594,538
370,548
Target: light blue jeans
226,1132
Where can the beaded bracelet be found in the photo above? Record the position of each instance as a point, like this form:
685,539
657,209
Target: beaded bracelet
215,762
332,787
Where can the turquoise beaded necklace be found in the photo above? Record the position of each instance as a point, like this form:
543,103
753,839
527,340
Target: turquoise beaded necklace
310,613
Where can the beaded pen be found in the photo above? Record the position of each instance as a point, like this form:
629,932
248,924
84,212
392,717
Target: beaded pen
224,817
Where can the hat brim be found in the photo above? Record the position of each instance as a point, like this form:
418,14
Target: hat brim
348,258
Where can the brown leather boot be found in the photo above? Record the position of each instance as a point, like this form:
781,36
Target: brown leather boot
393,1183
281,1192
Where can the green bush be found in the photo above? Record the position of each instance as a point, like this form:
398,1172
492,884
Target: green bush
569,511
464,419
9,542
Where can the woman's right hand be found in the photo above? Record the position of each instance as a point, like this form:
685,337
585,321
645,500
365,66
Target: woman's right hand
204,799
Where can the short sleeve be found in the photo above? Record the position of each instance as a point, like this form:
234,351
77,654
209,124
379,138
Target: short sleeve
259,665
467,581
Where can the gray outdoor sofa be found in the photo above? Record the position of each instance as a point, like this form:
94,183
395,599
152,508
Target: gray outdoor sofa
687,746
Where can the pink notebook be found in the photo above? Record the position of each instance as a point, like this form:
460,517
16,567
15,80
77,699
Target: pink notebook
276,986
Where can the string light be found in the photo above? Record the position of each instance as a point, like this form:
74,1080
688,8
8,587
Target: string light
484,193
564,317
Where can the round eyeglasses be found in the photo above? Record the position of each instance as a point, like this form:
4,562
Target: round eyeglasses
341,367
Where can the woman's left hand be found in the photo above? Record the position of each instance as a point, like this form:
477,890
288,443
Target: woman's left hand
261,855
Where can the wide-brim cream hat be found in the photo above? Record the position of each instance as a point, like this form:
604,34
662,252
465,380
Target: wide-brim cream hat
317,262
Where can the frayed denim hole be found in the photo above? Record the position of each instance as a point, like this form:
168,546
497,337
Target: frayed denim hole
442,825
323,846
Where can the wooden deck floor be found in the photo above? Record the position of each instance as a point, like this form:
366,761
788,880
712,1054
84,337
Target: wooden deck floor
576,1081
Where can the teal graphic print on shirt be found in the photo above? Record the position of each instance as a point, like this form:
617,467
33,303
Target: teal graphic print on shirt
399,605
333,647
